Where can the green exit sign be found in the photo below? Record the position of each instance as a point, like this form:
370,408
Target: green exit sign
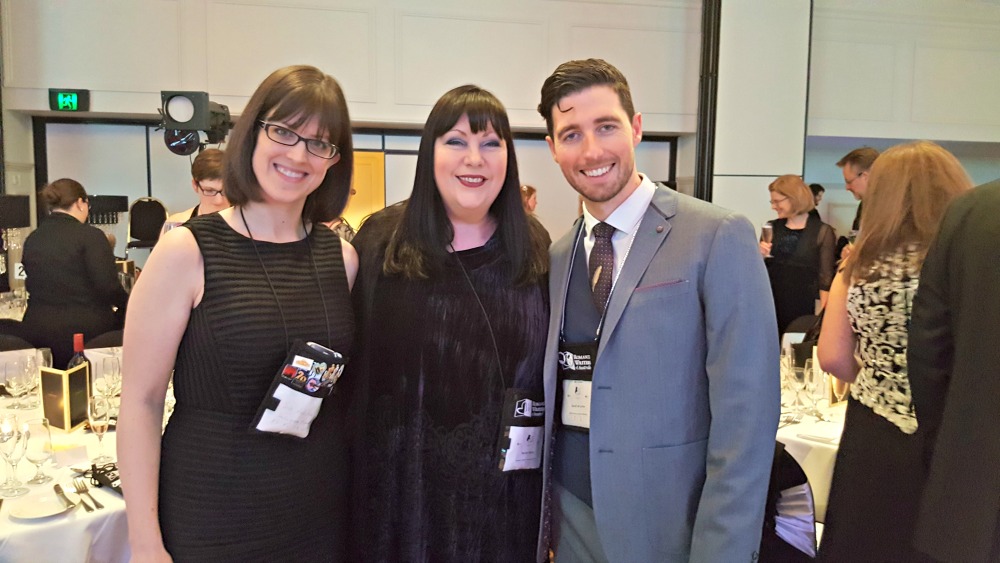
63,99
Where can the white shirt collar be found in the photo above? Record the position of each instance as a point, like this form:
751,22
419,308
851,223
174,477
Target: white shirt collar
627,216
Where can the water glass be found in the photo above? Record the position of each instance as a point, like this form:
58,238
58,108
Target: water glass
13,438
16,381
38,450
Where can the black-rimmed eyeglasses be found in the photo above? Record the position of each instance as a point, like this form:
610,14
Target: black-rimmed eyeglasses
208,191
285,136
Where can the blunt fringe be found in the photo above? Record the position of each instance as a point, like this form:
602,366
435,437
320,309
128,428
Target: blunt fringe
294,95
909,189
418,247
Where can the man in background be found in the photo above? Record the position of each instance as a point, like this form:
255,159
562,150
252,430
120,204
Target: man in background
661,377
954,372
855,166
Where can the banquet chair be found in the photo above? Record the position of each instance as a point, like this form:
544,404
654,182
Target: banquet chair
9,342
146,217
109,339
789,533
10,327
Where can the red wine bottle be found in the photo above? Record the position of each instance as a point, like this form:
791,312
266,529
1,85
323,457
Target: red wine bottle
78,356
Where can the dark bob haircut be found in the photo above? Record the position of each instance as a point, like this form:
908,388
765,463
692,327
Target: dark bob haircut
418,248
293,95
576,76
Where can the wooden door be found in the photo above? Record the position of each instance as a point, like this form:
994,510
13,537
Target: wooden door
367,188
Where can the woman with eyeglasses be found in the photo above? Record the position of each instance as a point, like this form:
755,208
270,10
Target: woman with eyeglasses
72,280
453,305
250,466
800,256
206,181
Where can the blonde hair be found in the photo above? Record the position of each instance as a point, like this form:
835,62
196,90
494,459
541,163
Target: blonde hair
909,189
795,189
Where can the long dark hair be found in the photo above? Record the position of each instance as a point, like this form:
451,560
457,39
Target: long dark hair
418,247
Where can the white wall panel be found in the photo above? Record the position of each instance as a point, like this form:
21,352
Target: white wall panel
662,74
856,81
761,105
436,53
60,44
256,40
746,195
956,86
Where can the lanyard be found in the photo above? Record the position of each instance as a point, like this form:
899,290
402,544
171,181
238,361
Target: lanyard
614,281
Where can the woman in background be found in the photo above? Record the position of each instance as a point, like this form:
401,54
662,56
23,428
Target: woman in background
800,258
453,304
879,471
221,302
206,181
72,280
529,198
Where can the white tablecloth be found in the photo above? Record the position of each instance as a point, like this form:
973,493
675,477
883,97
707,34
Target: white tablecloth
74,537
813,443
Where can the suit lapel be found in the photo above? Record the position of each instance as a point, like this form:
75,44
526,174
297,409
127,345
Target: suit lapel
652,231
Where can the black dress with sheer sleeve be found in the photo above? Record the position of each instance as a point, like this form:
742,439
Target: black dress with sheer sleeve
228,493
428,483
801,266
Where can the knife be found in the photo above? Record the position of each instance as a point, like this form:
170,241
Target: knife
69,504
822,439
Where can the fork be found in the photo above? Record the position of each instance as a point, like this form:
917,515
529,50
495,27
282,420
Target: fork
81,489
790,419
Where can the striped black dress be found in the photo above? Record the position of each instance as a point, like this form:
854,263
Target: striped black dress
227,493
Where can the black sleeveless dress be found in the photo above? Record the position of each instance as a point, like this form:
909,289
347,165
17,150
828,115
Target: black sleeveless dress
228,493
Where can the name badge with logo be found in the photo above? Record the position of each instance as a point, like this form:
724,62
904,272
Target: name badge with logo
521,432
576,375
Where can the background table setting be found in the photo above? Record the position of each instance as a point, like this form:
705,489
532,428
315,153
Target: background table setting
36,524
812,420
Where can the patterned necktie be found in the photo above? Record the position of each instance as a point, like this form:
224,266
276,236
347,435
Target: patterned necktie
602,265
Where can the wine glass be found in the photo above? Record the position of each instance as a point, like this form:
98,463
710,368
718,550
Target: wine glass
112,381
99,417
840,389
14,381
12,441
767,235
44,357
38,450
31,379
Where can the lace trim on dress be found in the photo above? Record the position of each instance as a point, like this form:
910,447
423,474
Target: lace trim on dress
879,309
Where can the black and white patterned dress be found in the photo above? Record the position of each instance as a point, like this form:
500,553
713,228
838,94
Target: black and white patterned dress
879,472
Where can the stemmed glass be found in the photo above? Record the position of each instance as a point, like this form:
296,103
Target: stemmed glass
13,437
99,416
15,381
39,448
111,384
767,235
31,379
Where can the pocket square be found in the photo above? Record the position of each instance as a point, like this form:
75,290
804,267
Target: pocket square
667,283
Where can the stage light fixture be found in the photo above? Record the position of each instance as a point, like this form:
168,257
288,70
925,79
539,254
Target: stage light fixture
187,113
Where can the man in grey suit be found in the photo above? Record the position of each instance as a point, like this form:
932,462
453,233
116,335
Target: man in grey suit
661,377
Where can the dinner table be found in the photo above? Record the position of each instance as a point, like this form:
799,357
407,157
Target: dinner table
37,526
813,439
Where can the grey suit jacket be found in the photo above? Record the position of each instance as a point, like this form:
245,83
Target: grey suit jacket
685,399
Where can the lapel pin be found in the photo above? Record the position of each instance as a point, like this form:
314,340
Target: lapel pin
659,228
